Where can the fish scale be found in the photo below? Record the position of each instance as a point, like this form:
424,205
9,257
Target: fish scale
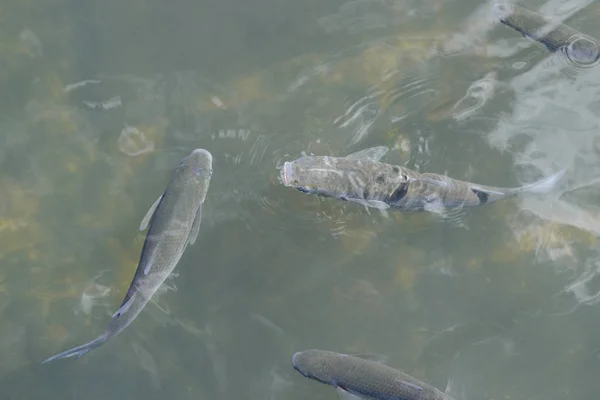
363,377
361,178
374,379
173,221
553,35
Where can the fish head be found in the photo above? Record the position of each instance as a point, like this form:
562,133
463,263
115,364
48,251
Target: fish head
503,11
316,175
315,364
195,170
522,20
582,50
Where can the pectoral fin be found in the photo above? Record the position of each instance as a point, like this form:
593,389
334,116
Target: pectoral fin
195,226
123,309
371,203
149,214
349,395
150,261
373,153
411,385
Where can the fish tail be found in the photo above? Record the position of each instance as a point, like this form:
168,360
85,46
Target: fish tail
78,351
544,185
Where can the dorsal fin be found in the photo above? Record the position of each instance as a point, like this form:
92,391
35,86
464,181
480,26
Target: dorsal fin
411,385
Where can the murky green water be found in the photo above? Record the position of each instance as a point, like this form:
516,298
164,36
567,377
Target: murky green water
101,100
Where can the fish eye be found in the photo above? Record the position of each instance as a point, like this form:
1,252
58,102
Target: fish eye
197,171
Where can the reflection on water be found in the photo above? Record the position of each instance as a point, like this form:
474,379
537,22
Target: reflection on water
102,100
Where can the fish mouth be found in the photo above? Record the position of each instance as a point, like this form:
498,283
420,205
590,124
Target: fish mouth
295,363
503,10
590,53
286,173
296,366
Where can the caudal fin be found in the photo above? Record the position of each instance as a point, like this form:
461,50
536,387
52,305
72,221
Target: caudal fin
78,351
544,185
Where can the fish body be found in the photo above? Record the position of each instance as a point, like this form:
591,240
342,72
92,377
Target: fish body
362,178
362,377
554,36
173,221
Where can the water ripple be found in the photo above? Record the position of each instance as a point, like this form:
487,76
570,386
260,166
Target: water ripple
579,53
357,16
478,94
390,77
250,191
359,117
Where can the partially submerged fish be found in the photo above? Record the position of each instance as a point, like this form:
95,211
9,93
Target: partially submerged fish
174,221
361,178
365,377
554,36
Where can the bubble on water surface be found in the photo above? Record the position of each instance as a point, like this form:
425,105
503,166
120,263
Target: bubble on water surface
133,142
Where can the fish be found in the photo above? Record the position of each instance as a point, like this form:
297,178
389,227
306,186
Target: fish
362,376
362,178
173,223
551,34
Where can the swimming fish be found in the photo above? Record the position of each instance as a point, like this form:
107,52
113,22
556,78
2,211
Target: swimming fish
554,36
361,178
174,222
362,376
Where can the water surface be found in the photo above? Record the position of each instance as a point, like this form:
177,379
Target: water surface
101,100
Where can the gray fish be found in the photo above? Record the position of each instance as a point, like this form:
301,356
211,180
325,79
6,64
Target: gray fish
554,36
362,376
174,221
361,178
